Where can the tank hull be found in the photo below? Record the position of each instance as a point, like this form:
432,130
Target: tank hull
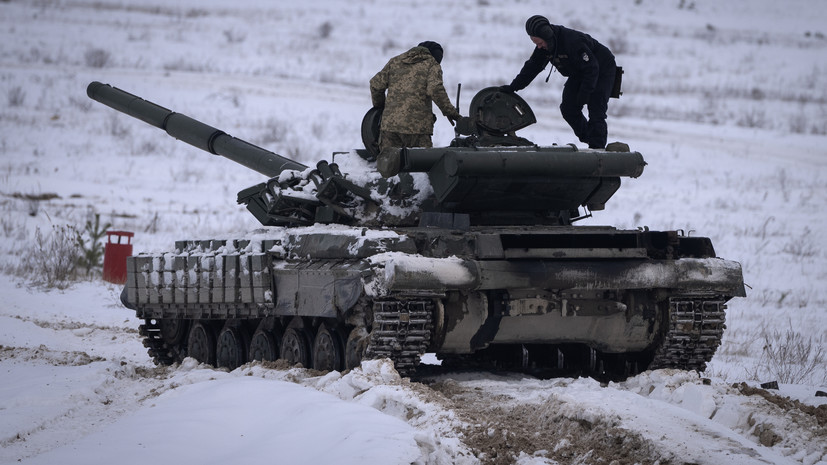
327,297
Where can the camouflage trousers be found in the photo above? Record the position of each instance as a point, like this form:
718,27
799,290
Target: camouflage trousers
388,162
398,139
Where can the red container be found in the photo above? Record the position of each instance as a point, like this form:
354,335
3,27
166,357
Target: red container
114,256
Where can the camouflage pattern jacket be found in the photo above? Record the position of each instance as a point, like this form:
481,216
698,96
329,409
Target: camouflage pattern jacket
412,79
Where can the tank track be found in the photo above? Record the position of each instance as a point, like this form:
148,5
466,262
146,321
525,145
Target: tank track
401,331
696,326
154,342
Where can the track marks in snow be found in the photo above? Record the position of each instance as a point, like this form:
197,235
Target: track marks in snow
657,416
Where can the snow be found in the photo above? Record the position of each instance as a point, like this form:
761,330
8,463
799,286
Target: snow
233,428
725,100
407,271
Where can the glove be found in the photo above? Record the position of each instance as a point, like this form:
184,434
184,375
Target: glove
453,119
508,89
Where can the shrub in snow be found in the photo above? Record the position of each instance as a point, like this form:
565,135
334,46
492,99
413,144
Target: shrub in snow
15,96
325,30
52,260
792,358
96,58
91,244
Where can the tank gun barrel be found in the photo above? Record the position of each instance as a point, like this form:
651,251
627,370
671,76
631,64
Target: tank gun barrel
192,131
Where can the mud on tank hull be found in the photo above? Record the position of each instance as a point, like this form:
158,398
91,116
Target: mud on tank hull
598,300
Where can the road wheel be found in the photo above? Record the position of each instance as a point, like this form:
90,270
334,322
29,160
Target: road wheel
174,330
357,344
295,347
201,343
328,350
263,347
230,348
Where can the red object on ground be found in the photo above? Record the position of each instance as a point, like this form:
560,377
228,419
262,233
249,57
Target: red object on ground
114,256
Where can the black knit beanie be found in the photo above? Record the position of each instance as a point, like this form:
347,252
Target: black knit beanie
537,26
434,48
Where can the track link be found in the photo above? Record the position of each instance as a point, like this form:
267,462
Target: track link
154,342
696,326
165,345
401,332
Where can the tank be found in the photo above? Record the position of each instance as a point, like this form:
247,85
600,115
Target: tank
469,252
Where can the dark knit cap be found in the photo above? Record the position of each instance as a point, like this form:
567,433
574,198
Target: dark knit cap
434,48
535,25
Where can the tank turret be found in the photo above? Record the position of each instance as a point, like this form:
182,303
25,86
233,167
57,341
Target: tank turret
468,251
490,177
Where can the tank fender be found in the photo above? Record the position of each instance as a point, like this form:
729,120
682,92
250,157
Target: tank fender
396,271
685,274
403,272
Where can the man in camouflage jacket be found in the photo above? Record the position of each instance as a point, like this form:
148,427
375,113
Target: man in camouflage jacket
412,80
589,66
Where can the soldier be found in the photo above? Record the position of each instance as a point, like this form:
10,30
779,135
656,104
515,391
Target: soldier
589,66
412,80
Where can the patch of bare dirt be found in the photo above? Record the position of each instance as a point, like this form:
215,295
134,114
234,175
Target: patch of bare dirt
38,197
785,403
73,325
53,357
500,430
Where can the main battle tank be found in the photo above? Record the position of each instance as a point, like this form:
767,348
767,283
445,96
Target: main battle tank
468,252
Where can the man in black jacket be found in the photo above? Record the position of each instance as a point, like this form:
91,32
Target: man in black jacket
589,66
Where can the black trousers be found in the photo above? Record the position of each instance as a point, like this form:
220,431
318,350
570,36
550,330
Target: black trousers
592,131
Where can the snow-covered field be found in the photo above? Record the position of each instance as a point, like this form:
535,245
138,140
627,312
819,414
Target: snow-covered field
727,101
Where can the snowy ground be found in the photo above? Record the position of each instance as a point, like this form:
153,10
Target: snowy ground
725,100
